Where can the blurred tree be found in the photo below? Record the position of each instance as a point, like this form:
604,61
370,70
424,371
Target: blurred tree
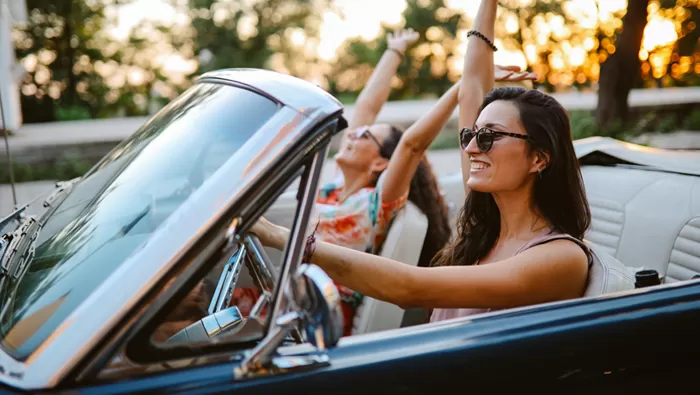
546,33
572,43
250,33
61,46
426,68
141,59
644,56
621,70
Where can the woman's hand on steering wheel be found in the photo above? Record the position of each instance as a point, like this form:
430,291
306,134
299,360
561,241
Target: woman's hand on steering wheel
270,235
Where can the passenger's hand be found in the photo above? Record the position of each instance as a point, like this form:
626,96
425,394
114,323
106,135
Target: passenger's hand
268,233
402,39
512,74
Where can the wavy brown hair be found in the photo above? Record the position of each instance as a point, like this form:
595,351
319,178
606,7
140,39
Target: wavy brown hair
425,193
559,193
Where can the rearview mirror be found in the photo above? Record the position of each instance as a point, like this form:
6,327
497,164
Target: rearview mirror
315,309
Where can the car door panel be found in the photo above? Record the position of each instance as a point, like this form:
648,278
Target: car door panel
640,343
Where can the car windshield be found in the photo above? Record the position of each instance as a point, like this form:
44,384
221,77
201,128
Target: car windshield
121,202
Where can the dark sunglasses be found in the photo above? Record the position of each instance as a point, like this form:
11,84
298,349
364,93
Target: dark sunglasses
364,133
484,138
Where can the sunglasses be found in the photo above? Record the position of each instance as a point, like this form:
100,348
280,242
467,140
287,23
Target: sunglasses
364,133
484,138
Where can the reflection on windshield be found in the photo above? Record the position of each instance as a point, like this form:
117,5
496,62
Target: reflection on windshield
121,202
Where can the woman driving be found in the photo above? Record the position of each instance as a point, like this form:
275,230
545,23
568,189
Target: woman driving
525,214
381,168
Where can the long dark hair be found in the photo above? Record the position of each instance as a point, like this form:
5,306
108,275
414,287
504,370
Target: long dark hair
425,193
559,193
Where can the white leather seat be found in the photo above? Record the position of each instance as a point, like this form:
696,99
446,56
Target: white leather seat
646,219
403,243
607,274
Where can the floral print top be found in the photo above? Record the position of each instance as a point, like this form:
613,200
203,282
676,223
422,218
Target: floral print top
361,222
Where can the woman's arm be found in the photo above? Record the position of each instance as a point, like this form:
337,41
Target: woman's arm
376,92
477,74
553,271
416,140
413,144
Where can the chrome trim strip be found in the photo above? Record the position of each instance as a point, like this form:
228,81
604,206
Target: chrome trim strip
295,245
222,295
264,274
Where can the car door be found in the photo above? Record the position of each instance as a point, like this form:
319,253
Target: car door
642,341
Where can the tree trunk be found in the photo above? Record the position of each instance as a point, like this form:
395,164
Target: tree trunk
620,71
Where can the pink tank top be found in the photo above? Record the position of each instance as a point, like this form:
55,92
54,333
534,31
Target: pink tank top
446,314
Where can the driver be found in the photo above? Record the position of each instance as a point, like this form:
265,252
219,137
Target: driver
520,232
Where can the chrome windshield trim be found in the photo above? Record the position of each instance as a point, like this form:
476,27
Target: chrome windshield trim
295,245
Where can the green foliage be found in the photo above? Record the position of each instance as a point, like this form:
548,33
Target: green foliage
71,57
448,139
667,124
248,33
424,71
69,165
692,121
64,39
582,124
72,113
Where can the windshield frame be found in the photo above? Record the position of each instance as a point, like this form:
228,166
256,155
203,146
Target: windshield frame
86,326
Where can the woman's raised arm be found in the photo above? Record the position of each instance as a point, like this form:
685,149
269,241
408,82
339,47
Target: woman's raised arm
378,88
416,140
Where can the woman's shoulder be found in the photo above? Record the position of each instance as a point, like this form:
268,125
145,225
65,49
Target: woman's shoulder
551,236
559,243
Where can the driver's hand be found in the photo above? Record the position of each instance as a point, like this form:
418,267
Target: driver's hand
267,232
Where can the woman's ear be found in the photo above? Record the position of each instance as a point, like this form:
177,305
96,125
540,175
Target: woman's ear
379,165
540,161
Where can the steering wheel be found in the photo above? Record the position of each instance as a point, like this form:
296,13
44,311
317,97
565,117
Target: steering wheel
225,321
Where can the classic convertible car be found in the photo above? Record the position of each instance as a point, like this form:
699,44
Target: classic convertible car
132,278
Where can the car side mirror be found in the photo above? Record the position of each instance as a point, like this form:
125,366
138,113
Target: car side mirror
319,300
314,308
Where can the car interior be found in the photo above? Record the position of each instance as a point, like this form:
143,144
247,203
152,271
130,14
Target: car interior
645,206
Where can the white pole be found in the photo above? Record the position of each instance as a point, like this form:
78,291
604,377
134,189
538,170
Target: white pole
5,129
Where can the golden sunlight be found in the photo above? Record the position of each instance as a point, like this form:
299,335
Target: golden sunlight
659,32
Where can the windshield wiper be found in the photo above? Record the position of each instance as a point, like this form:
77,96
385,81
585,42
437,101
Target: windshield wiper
18,248
10,241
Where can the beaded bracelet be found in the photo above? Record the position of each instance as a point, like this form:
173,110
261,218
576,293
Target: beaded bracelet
310,247
481,36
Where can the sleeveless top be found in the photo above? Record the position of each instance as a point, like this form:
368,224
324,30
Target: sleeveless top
446,314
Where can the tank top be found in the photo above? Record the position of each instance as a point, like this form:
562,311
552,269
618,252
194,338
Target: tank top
446,314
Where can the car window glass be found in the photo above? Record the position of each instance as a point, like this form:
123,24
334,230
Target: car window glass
121,202
241,296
